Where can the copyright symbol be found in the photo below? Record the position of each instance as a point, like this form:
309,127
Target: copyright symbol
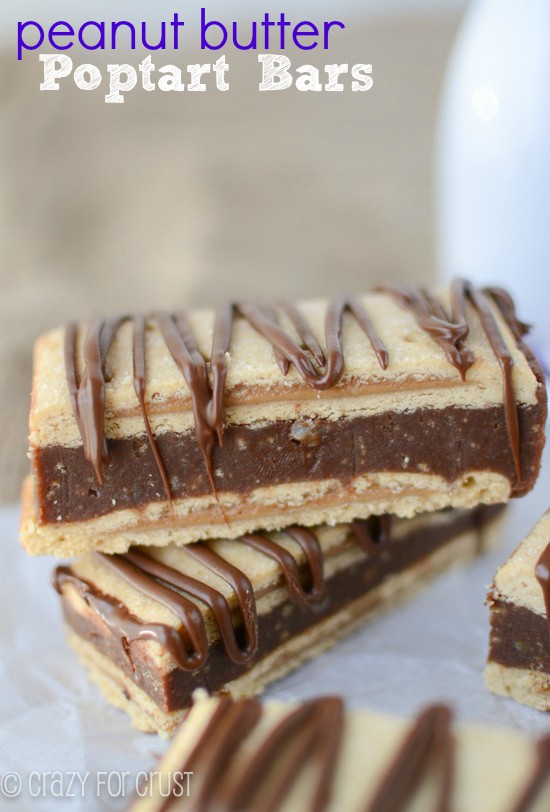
10,784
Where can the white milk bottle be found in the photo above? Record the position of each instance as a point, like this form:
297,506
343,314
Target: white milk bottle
493,161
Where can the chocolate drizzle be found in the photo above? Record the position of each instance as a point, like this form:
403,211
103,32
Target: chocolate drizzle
310,734
140,374
538,780
319,368
450,334
230,723
429,741
119,620
71,331
88,396
206,380
208,411
506,305
177,591
506,363
542,574
287,563
372,532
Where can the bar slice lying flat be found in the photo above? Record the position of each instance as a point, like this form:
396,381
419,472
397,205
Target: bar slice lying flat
231,616
316,756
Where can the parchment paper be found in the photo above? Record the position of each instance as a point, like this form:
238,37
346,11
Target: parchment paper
52,719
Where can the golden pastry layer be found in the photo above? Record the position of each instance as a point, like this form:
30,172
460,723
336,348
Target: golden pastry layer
317,756
398,401
156,623
519,600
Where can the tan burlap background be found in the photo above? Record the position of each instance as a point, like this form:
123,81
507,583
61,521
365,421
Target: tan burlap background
173,200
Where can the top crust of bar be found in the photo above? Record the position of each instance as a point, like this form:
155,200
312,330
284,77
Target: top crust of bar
256,390
262,571
515,581
493,765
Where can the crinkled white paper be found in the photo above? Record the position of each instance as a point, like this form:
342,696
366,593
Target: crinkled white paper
53,720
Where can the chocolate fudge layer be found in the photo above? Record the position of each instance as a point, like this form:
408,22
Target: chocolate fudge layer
314,756
155,624
519,601
219,423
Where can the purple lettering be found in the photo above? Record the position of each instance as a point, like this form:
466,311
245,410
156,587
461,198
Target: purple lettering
21,44
161,45
328,26
250,46
176,24
267,23
205,44
56,30
114,29
300,32
100,27
283,23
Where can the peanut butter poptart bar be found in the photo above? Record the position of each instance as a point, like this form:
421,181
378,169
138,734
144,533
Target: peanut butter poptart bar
230,616
174,428
316,756
519,601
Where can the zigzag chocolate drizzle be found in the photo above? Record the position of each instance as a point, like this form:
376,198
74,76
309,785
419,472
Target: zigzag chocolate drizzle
287,563
167,585
269,315
125,625
372,532
177,591
71,332
538,780
319,368
329,373
506,305
206,380
506,363
310,734
88,396
229,724
428,741
208,413
140,375
450,334
310,737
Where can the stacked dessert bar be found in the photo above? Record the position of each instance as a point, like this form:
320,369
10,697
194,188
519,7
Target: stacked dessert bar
239,488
